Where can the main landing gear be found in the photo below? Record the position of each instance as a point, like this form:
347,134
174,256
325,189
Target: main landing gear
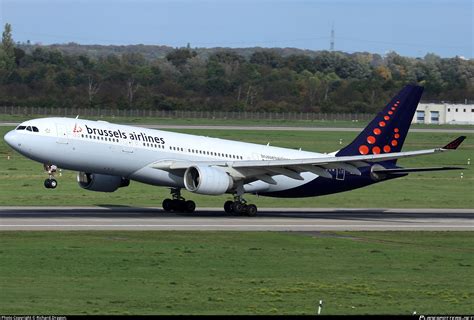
240,207
50,183
178,203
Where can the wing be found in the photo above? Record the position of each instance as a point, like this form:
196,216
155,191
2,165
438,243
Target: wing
251,170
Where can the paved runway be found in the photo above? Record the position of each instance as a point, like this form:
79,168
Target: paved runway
283,219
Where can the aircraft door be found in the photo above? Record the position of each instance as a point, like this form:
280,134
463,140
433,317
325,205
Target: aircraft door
340,174
62,134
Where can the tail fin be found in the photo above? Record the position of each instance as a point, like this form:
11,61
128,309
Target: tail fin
388,130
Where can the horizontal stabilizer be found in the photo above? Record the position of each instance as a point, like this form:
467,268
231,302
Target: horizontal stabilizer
409,170
453,145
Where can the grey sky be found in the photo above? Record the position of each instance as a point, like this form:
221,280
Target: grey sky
411,28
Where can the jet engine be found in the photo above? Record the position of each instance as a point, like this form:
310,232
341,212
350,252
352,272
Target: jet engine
207,180
101,182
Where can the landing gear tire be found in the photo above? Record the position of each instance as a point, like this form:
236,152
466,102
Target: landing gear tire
178,203
228,206
50,183
189,206
240,208
251,210
167,205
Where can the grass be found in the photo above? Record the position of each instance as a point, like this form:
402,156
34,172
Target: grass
21,179
236,272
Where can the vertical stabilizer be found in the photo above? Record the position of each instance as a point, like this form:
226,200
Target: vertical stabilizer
388,130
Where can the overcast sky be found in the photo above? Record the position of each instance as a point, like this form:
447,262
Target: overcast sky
409,27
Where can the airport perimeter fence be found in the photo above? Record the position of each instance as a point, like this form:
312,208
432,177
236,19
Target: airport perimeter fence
181,114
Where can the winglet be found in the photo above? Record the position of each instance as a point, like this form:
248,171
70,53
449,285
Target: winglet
453,145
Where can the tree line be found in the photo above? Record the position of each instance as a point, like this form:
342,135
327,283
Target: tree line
223,79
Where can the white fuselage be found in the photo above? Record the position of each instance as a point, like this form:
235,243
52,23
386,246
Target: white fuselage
130,152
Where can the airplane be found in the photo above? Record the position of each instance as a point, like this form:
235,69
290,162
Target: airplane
108,156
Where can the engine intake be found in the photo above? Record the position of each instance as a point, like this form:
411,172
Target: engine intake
101,182
207,180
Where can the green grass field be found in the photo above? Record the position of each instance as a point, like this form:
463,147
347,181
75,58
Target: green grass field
236,272
21,180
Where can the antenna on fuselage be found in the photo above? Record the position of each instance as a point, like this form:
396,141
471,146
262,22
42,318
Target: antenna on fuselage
77,117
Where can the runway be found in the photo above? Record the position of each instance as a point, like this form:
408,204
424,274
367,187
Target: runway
268,219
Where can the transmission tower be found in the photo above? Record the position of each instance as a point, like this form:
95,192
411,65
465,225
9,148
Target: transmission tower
331,47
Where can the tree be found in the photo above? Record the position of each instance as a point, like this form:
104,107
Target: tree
93,88
180,56
266,57
311,84
7,54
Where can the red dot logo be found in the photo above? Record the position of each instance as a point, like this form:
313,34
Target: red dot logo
386,149
396,136
394,108
377,131
386,118
375,150
382,123
396,130
394,143
390,112
371,139
363,149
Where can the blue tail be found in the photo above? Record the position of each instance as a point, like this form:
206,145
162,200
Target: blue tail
388,130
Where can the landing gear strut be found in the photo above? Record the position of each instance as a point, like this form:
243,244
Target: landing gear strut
50,183
178,203
240,207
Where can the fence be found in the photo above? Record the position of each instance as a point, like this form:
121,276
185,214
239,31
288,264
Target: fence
180,114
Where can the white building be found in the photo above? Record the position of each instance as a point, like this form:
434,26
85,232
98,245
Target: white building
437,113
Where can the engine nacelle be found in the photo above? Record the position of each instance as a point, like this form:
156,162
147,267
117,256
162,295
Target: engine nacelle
377,176
101,182
207,180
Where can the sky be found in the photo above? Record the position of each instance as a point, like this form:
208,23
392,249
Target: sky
409,27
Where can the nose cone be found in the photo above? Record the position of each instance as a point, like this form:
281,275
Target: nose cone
11,138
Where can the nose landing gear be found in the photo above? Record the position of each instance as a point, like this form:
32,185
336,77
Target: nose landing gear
50,183
178,203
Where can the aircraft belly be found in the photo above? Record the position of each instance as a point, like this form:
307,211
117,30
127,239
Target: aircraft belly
284,182
158,177
322,186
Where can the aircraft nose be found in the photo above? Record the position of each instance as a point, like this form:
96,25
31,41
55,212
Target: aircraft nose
11,138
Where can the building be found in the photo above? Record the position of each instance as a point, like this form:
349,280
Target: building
444,113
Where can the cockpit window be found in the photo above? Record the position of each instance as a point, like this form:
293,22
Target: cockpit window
29,128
